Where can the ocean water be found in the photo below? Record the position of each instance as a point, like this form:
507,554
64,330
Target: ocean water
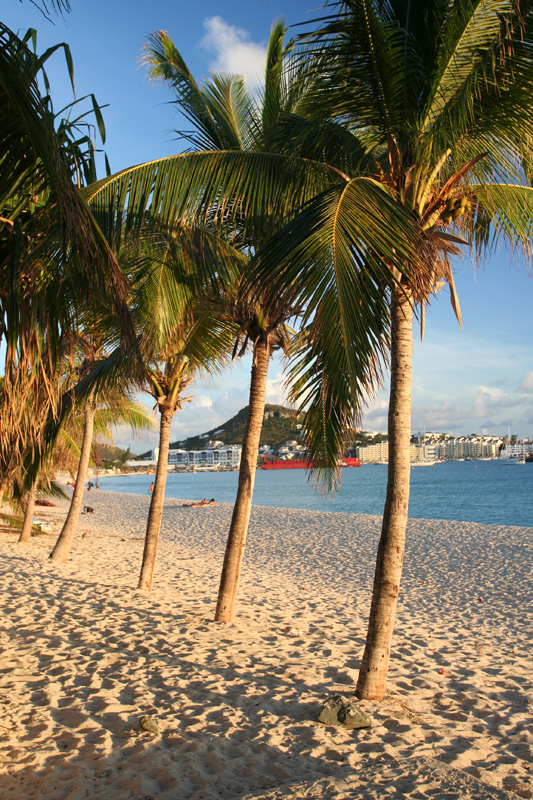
470,491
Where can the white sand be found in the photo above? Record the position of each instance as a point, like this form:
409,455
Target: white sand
84,655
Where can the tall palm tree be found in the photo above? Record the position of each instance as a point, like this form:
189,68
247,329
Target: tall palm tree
267,332
195,346
429,104
176,278
438,95
180,336
226,116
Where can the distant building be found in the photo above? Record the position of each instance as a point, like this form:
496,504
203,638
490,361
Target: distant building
211,444
443,448
468,447
227,457
517,449
373,453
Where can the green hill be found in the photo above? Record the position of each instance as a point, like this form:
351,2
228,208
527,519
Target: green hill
107,455
279,424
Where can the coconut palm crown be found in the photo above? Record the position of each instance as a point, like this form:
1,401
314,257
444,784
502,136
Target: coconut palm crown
428,106
438,97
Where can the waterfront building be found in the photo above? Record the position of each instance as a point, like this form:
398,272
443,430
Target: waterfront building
468,447
373,453
517,450
210,458
443,448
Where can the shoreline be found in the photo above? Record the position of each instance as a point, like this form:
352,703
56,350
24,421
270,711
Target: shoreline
86,654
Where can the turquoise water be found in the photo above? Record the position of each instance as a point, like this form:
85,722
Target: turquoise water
469,491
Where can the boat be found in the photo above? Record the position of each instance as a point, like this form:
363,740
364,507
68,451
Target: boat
302,463
505,458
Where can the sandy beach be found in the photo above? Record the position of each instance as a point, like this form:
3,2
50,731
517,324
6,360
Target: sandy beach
84,655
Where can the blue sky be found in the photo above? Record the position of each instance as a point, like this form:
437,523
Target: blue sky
479,379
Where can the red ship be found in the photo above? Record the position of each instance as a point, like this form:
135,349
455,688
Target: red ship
302,463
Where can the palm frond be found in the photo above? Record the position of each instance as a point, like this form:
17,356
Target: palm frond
362,52
164,62
131,414
250,190
467,38
508,209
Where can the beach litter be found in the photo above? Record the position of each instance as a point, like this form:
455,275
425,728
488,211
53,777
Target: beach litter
148,725
40,526
343,712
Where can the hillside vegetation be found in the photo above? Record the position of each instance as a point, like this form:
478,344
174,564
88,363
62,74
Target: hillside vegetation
279,425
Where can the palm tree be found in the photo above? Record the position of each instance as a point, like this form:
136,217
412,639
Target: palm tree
92,352
51,251
438,96
429,108
266,333
118,411
176,280
226,116
168,361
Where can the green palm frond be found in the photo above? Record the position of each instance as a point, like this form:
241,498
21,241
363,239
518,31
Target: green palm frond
130,413
168,273
274,92
331,260
346,236
68,442
48,238
212,130
320,380
251,190
466,54
234,110
363,52
509,211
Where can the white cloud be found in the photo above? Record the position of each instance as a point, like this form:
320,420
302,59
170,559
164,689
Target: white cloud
232,49
526,384
275,391
228,403
202,401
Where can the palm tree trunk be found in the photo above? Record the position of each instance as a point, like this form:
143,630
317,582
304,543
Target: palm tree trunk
62,547
229,581
156,505
375,662
28,515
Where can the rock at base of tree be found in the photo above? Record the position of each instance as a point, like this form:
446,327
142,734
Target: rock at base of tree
148,725
343,712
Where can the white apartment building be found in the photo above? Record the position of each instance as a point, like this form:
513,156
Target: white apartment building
464,447
220,457
460,447
373,453
517,449
379,453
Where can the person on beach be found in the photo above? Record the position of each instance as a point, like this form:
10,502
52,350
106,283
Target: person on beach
89,486
151,489
200,503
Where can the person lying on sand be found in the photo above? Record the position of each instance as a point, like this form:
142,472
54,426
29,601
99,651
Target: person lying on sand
200,503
